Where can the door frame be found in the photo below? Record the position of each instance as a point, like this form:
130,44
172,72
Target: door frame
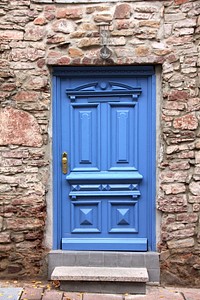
58,72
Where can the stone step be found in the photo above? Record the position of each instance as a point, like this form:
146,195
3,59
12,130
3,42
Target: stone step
101,279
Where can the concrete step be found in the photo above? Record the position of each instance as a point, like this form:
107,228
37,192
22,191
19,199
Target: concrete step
111,259
101,279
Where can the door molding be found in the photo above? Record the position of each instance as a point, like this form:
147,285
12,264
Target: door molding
128,71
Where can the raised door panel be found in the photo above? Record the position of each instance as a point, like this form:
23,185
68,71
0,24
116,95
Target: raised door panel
123,137
85,135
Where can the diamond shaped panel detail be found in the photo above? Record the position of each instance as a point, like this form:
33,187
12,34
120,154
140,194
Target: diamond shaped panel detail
86,216
123,216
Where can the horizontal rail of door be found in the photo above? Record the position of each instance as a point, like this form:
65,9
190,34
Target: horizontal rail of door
133,194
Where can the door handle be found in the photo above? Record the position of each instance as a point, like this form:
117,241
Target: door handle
64,162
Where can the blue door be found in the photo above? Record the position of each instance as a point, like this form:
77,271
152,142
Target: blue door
104,158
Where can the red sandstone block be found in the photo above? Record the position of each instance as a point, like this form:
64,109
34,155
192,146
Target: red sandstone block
179,2
32,294
122,11
178,95
53,295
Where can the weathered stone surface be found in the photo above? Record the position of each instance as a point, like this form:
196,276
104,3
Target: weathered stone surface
75,52
176,203
34,33
23,224
178,95
11,35
195,188
187,217
142,51
19,128
87,42
26,96
122,11
186,122
4,237
174,188
35,83
103,17
64,26
40,21
69,13
27,54
184,243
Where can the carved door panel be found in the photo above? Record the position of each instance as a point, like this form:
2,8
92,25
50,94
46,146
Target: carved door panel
106,128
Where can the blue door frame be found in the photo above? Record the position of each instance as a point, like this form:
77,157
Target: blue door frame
136,84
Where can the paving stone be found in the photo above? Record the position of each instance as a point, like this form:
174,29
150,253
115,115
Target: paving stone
102,297
157,293
72,296
52,295
32,294
10,293
190,294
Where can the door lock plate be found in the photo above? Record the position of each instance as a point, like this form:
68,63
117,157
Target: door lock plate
64,162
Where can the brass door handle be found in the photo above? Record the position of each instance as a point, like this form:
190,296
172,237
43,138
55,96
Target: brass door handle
64,162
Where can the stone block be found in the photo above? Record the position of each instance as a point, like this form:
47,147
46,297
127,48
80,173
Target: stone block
5,237
184,243
96,259
105,287
122,11
11,35
32,294
34,33
125,260
52,295
63,25
19,128
194,188
93,296
10,293
72,296
174,188
178,95
110,259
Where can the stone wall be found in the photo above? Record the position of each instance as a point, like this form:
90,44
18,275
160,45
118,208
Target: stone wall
35,35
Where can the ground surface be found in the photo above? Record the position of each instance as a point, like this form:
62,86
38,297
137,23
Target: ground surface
49,290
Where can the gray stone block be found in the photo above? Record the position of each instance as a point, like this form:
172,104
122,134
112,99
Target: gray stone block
96,259
124,260
100,274
151,260
104,287
154,275
137,260
110,259
60,258
82,259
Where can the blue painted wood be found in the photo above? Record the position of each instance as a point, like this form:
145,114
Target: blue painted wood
125,213
101,89
105,119
104,176
126,244
85,135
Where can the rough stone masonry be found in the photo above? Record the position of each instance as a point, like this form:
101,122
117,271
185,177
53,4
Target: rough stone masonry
35,35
